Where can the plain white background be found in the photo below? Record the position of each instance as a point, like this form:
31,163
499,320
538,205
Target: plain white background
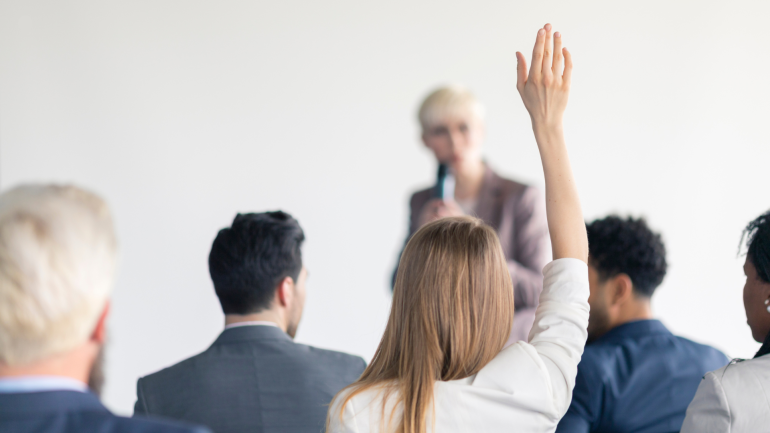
182,113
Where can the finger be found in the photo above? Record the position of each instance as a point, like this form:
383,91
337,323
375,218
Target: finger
537,55
548,50
558,57
567,77
521,71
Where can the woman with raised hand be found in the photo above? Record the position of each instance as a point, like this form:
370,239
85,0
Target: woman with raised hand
441,365
736,398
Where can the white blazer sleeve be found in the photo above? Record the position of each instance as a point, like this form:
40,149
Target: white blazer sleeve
346,423
561,326
709,411
542,373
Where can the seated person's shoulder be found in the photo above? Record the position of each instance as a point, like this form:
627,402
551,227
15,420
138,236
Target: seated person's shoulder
145,425
333,358
173,370
108,422
704,353
737,369
597,360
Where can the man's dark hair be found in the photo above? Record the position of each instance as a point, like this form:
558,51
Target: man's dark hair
757,236
250,258
627,246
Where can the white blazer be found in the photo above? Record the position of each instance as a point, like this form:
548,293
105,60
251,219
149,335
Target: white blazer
527,387
732,399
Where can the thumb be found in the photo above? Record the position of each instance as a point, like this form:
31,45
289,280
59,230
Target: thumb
521,71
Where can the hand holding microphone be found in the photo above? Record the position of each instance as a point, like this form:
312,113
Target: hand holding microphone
443,204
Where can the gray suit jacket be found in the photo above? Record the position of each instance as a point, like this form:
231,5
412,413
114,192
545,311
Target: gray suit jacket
252,379
517,213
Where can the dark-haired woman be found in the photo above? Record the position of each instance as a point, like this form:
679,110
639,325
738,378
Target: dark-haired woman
736,398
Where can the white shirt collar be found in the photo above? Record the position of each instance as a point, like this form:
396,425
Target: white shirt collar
20,384
252,323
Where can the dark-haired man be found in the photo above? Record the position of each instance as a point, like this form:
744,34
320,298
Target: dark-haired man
635,375
254,378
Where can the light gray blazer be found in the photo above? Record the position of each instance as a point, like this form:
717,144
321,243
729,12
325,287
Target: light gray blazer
252,379
733,399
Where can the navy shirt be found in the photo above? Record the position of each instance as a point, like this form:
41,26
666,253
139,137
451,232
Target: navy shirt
639,378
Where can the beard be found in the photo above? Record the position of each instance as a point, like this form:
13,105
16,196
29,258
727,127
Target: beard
291,330
598,323
291,327
294,318
96,376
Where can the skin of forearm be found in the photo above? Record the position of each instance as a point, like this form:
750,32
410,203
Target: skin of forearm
565,217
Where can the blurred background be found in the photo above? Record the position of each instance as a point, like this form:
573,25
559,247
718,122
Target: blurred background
183,113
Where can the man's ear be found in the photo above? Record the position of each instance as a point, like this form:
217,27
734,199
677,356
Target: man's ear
285,292
622,289
99,335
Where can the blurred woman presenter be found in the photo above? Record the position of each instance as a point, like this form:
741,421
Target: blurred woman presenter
441,365
736,398
452,122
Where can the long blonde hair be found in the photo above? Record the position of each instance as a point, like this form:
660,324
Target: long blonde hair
452,312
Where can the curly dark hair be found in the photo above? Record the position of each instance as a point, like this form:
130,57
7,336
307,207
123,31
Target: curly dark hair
627,246
757,237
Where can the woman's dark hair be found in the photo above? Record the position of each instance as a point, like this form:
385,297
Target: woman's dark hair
757,237
627,246
250,258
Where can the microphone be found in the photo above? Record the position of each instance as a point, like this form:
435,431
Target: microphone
445,183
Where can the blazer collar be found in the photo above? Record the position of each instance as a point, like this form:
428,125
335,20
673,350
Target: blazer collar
49,401
251,333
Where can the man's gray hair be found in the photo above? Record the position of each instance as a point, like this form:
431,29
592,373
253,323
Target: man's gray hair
57,264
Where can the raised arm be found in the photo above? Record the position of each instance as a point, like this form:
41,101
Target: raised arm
545,90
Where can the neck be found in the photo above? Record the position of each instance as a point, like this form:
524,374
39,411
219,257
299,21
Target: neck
262,316
468,180
765,349
639,309
75,364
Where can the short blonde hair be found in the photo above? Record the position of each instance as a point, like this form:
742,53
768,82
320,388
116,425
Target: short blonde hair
57,264
448,101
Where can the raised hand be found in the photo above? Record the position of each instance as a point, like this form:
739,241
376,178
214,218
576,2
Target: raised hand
545,89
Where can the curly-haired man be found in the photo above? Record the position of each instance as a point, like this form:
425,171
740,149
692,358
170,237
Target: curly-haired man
635,375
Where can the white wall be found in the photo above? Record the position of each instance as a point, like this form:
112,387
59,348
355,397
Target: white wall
182,113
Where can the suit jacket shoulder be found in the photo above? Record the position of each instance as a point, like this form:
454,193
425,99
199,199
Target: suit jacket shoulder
253,378
345,361
74,412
